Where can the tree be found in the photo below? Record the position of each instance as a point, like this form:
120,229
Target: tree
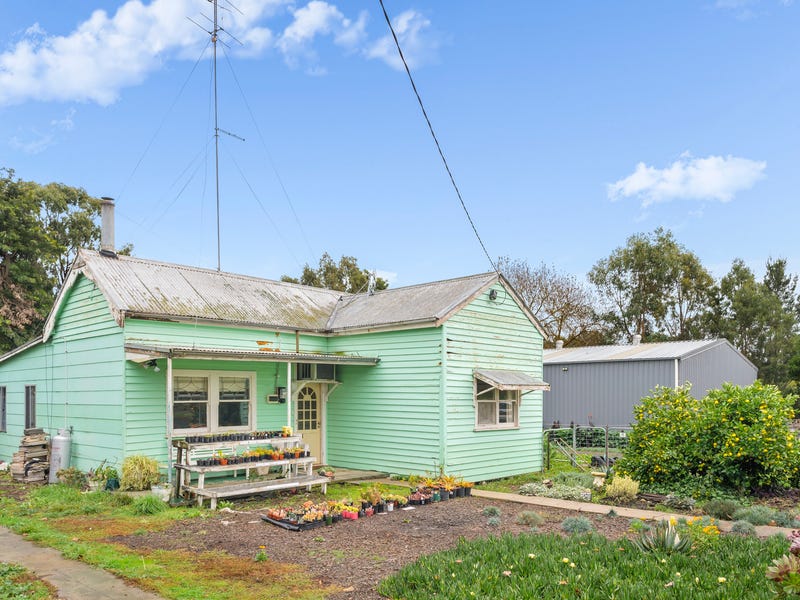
344,276
564,307
42,228
755,319
653,287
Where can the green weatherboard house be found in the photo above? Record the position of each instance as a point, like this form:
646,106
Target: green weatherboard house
137,352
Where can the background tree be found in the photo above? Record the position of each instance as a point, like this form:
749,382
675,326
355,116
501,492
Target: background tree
42,227
653,287
344,276
563,305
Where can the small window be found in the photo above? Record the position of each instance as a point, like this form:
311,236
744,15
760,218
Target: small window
304,371
495,409
190,406
30,406
2,408
234,402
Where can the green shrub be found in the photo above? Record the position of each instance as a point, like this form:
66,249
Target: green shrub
744,528
622,489
530,518
149,505
493,522
577,525
676,502
764,515
73,477
736,438
491,511
558,490
574,479
139,472
721,508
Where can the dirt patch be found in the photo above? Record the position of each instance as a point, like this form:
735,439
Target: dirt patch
355,555
15,489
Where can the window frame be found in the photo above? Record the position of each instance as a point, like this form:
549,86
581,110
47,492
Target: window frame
496,397
213,401
30,407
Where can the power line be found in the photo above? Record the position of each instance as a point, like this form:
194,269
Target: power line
435,139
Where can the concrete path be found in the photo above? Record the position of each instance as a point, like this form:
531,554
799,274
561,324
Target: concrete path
74,580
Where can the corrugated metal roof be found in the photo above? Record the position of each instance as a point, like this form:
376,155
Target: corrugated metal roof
654,351
146,288
504,379
411,304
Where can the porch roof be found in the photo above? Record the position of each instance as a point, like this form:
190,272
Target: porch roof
143,353
511,380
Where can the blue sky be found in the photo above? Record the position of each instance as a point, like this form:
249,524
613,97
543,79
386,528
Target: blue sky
568,126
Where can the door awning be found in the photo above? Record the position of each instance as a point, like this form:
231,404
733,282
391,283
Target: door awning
510,380
145,352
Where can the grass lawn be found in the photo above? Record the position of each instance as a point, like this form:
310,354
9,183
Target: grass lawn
549,566
16,582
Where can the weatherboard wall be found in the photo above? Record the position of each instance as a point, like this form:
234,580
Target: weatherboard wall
491,334
386,417
78,374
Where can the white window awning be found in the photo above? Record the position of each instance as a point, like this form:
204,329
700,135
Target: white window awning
510,380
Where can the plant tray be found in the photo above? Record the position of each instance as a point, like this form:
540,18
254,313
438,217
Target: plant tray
293,526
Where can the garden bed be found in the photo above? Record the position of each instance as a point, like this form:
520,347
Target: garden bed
355,555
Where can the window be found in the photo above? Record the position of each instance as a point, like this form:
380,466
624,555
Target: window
213,401
495,409
30,406
2,408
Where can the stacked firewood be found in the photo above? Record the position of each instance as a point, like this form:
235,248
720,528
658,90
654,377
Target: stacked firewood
31,462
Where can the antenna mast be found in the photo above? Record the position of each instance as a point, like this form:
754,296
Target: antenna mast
216,128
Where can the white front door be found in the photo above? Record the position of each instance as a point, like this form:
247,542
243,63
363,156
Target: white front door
309,417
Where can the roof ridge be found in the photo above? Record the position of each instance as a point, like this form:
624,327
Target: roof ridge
424,284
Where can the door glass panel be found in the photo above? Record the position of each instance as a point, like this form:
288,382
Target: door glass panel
307,409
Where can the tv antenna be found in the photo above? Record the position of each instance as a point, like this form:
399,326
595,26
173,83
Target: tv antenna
214,33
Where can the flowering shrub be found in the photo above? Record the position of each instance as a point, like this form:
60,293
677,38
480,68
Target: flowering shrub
734,438
558,490
622,489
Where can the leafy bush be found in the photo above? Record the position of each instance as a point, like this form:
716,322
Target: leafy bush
493,522
72,477
558,490
491,511
721,508
622,489
530,518
149,505
735,438
574,479
744,528
677,502
139,472
764,515
577,525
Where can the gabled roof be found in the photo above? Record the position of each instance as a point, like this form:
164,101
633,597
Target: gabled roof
652,351
140,288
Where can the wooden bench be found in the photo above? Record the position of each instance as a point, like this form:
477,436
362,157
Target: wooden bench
248,488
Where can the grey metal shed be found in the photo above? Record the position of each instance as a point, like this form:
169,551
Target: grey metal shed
602,384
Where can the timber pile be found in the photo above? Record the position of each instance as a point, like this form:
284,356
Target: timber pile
31,463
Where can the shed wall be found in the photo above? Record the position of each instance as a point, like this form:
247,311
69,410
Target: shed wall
603,393
491,334
714,366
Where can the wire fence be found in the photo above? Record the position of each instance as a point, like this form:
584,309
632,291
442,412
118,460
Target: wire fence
584,447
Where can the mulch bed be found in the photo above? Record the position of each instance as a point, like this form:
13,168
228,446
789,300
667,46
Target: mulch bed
356,555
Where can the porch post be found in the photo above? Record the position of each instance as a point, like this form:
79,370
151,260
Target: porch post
169,419
289,394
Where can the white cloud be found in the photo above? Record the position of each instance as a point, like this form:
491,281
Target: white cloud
315,19
418,44
389,276
109,52
65,124
37,144
688,178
